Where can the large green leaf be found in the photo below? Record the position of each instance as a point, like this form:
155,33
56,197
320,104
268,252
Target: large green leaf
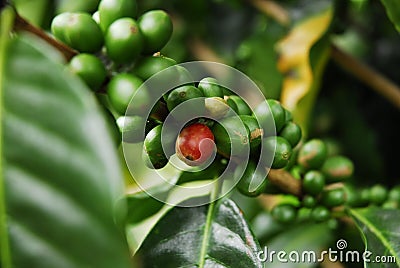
393,11
62,176
214,235
381,232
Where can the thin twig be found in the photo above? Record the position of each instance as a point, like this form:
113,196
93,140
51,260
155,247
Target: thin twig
285,181
367,75
273,10
23,25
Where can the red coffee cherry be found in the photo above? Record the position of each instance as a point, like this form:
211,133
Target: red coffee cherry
195,144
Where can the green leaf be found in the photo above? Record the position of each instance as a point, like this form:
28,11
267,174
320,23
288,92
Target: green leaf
393,11
381,232
62,176
214,235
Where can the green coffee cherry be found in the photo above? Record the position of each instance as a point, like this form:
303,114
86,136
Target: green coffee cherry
210,88
216,107
394,194
156,27
153,154
356,197
292,133
313,182
78,30
256,133
337,168
390,204
111,10
131,128
123,40
297,171
312,154
90,69
120,91
279,148
288,116
309,201
333,198
96,17
76,6
239,133
320,214
182,94
242,107
378,194
275,112
284,213
149,66
251,174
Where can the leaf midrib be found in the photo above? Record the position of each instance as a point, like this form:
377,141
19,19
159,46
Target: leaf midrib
377,233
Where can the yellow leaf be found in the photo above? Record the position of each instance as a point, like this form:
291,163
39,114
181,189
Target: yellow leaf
294,57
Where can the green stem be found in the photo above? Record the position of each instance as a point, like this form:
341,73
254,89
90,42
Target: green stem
208,225
6,19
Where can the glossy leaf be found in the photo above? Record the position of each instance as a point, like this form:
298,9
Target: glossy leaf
214,235
381,232
62,176
301,65
393,11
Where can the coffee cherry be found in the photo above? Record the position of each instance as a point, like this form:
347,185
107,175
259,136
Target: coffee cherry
90,69
156,27
210,88
356,197
149,66
378,194
111,10
313,182
253,181
256,133
309,201
131,128
312,154
288,116
333,198
231,136
153,154
284,213
320,214
122,88
279,148
78,30
216,107
337,168
195,144
182,94
292,133
242,107
123,40
275,114
394,194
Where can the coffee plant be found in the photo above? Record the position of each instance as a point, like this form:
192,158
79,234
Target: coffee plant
199,133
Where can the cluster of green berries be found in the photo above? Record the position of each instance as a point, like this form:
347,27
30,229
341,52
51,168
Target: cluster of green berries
229,123
322,179
377,195
111,39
